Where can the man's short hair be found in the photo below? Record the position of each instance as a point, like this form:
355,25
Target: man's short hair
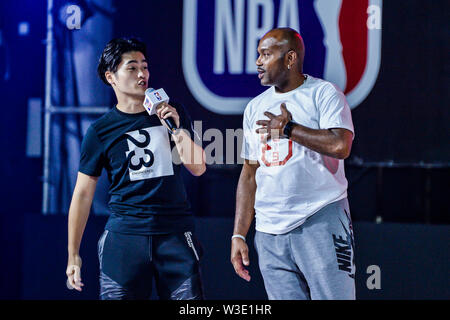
112,54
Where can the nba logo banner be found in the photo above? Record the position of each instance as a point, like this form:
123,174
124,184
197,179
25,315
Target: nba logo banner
220,39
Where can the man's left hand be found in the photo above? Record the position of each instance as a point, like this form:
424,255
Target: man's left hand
275,125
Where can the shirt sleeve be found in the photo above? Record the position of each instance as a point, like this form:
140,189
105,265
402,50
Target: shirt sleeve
334,111
91,158
250,142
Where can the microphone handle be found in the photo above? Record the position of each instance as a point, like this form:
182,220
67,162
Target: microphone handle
171,124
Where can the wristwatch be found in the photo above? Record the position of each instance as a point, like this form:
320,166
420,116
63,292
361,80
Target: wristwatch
288,128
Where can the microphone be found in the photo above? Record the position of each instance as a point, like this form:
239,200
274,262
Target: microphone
153,98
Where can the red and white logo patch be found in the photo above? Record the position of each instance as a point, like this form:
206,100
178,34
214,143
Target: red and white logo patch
276,152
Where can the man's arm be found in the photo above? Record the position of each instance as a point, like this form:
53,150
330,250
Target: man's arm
80,206
192,155
335,142
245,202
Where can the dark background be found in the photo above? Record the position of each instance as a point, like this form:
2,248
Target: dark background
398,171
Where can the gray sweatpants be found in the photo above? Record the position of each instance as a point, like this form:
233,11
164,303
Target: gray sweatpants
314,261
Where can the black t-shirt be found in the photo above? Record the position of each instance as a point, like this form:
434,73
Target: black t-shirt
147,194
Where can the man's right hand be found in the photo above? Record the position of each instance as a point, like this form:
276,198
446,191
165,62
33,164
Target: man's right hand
73,272
239,258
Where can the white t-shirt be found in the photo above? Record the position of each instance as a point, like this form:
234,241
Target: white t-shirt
293,182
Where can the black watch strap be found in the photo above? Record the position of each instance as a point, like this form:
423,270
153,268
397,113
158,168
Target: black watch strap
288,129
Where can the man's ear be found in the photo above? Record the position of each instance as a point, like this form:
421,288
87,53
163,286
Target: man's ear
292,57
110,78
